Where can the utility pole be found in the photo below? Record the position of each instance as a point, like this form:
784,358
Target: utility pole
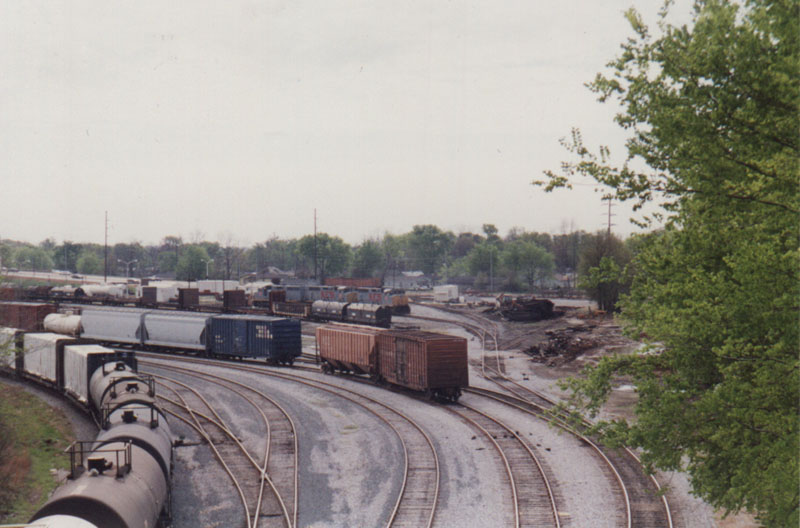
315,243
609,216
105,253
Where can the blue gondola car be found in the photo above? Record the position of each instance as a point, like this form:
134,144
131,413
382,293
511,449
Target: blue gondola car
275,339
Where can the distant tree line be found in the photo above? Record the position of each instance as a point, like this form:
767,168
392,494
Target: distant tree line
520,261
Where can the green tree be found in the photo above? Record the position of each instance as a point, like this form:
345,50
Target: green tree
394,254
89,263
65,256
712,110
367,259
566,250
464,244
601,267
332,254
33,258
429,246
167,261
484,257
527,261
192,263
491,233
605,281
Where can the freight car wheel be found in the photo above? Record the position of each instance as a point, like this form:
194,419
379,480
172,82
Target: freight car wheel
326,369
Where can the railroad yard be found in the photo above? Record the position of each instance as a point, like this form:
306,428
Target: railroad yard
271,446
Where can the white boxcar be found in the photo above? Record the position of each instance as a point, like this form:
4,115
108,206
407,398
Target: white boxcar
217,286
7,348
117,325
445,293
40,354
76,366
179,330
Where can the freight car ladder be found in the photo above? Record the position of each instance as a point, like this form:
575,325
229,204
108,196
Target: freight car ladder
83,458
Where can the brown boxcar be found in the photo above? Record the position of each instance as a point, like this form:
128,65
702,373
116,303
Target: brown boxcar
26,316
348,348
232,299
188,298
424,361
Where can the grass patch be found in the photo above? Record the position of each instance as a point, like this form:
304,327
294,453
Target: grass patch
33,437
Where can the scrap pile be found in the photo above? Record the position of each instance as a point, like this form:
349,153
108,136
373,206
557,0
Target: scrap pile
563,346
526,310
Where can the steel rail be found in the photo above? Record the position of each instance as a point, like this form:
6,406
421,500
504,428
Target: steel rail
243,449
292,429
493,333
264,475
208,439
586,423
338,391
502,454
542,414
546,481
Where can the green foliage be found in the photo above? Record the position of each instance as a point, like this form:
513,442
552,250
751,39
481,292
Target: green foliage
605,280
65,256
89,263
484,258
167,261
566,250
192,263
528,262
367,259
332,254
429,247
33,258
464,244
33,437
273,252
603,269
713,111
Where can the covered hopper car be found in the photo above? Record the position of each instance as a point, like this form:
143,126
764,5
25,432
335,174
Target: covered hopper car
275,339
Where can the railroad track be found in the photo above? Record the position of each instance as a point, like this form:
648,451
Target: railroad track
267,481
645,504
533,497
416,503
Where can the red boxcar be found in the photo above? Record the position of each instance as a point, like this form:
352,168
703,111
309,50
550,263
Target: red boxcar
25,315
348,348
422,361
433,363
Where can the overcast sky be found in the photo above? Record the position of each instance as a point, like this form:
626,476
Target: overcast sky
215,118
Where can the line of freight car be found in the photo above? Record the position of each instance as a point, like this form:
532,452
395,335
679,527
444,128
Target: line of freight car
275,339
395,299
358,313
435,364
121,478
